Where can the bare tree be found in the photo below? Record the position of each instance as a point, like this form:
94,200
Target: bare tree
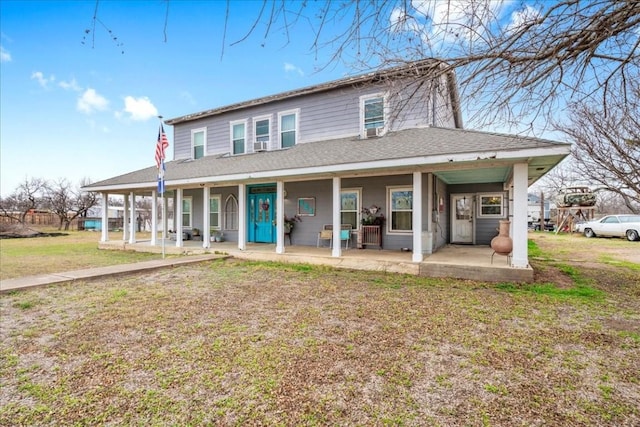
515,62
510,68
27,197
68,202
606,145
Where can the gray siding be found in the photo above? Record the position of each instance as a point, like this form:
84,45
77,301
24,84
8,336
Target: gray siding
485,228
322,116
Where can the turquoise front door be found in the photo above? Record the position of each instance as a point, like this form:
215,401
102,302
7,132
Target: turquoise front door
261,213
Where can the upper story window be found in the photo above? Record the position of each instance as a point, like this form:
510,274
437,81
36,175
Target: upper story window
288,128
198,138
238,137
372,114
262,133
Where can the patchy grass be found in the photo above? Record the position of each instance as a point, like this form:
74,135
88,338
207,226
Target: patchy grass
257,343
73,251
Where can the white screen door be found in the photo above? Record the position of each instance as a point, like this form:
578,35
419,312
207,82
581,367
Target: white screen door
462,221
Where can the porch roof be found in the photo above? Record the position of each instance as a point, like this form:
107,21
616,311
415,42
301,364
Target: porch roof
450,153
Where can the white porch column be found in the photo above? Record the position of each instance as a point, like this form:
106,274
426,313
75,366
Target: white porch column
134,219
417,217
206,218
125,219
280,217
165,220
337,246
431,206
242,217
154,217
104,235
519,257
178,218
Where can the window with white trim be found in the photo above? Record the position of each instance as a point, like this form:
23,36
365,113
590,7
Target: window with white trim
372,108
491,205
400,201
261,128
214,212
198,142
231,213
187,212
350,207
238,137
288,121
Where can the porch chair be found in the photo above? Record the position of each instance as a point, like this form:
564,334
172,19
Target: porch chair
345,234
325,234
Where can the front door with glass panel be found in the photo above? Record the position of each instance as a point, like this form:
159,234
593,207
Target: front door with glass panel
462,221
261,215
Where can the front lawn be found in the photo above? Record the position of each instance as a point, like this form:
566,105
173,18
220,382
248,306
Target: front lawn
241,343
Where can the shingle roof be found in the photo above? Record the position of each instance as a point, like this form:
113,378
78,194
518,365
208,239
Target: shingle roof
415,68
346,154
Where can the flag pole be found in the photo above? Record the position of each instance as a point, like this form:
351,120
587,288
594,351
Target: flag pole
161,188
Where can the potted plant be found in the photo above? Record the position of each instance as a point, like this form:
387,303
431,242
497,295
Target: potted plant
372,216
289,222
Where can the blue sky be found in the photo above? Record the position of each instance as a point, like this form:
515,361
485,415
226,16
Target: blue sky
72,110
78,105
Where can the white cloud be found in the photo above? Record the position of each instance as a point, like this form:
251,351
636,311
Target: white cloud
5,56
520,18
72,85
90,101
452,20
139,109
290,68
41,79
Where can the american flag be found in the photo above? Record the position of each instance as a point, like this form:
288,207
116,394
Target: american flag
162,145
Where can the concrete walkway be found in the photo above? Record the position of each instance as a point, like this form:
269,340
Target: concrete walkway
93,273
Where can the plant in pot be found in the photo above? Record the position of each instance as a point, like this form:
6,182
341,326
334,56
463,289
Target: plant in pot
289,222
372,216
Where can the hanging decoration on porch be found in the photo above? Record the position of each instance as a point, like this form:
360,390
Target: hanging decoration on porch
502,243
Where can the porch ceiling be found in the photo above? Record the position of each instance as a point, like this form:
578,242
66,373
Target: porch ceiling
537,168
475,176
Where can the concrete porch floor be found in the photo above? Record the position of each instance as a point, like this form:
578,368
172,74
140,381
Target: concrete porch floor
455,261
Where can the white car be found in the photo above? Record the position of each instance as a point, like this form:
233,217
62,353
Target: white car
614,226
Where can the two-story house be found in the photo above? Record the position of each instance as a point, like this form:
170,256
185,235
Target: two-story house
392,139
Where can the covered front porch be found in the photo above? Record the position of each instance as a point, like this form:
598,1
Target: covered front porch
473,262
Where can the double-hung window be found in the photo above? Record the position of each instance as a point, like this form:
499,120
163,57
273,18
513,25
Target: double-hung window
238,137
214,212
198,141
372,112
350,207
262,129
400,209
187,211
491,205
288,128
